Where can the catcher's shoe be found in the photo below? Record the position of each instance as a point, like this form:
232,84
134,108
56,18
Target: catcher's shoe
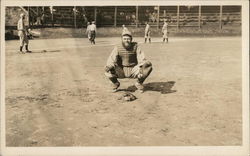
115,87
140,87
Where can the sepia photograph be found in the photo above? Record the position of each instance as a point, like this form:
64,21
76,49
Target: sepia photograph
123,75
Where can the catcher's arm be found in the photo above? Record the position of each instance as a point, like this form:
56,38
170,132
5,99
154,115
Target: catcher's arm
112,61
140,56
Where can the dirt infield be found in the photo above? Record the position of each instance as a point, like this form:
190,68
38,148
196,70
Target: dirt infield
58,95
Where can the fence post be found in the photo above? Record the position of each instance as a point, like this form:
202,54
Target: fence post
158,17
115,16
199,17
220,16
136,21
75,16
52,15
28,16
95,14
43,18
178,16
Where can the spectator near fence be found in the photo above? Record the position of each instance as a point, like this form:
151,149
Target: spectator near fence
38,20
153,17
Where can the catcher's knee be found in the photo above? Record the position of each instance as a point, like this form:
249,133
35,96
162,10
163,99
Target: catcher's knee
147,65
110,72
108,75
146,69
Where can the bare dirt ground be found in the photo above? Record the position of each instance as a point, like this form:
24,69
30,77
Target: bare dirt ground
61,97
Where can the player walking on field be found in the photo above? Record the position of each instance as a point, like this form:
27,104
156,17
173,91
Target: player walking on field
165,31
127,60
88,31
147,33
92,29
23,34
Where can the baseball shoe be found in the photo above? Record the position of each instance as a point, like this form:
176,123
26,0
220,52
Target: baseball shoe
115,87
28,51
140,87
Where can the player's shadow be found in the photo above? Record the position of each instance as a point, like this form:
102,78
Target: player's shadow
46,51
162,87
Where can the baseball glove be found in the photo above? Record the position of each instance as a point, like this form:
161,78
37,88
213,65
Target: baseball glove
127,97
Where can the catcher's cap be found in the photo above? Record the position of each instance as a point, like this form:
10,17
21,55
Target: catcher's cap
126,32
22,14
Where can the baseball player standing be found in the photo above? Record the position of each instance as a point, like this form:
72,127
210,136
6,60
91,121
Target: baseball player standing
92,29
127,60
147,33
88,31
165,31
22,33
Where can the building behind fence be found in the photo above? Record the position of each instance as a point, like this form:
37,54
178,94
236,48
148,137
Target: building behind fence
113,16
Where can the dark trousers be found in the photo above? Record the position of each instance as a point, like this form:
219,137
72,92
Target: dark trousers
92,36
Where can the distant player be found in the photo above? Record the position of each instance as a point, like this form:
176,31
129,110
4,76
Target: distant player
88,31
165,31
147,33
127,60
23,34
124,28
92,29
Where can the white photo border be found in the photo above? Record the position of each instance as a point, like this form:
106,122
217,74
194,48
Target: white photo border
142,150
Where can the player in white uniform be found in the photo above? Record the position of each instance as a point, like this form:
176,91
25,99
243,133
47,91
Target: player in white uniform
22,33
88,30
92,29
165,32
147,33
124,29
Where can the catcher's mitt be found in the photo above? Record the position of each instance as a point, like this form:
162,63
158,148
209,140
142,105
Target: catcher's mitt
127,97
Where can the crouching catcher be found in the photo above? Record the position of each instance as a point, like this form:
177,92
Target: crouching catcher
127,61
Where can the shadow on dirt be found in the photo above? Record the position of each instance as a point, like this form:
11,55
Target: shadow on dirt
45,51
162,87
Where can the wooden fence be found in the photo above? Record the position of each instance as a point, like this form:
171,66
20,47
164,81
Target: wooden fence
176,16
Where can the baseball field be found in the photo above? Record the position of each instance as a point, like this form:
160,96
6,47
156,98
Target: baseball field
59,96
